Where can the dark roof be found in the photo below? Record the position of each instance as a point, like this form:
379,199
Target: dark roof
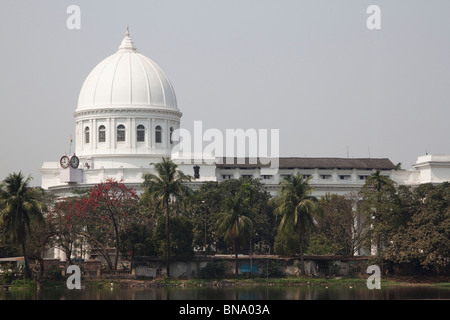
313,163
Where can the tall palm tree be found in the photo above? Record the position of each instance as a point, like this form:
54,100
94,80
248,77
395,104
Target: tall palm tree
295,206
233,222
19,204
164,187
379,193
376,181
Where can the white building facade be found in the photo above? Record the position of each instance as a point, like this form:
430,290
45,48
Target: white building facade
127,112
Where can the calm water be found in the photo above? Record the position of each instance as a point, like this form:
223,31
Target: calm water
316,292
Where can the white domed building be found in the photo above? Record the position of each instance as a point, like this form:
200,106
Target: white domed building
126,106
126,114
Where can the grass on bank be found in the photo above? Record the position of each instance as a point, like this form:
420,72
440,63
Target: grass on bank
287,281
282,281
223,281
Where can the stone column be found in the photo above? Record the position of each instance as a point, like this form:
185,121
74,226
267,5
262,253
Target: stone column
94,135
129,139
166,135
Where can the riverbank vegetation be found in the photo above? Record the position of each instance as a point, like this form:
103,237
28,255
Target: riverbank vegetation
254,282
407,229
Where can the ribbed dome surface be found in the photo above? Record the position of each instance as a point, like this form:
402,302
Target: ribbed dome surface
127,79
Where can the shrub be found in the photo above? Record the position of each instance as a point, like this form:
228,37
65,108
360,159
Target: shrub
6,278
23,283
275,269
213,270
54,274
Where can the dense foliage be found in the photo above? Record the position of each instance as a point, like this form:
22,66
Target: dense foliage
423,240
20,207
401,226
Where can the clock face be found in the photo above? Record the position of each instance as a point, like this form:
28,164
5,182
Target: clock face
64,162
74,162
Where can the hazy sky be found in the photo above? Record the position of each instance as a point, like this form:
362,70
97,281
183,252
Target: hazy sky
309,68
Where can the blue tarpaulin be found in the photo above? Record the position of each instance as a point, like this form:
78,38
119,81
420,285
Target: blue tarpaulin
245,267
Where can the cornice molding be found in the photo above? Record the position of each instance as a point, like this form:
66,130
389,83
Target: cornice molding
128,111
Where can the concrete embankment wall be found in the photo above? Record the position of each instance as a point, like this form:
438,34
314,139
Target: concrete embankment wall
262,266
259,266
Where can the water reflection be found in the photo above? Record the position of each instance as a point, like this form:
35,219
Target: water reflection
316,292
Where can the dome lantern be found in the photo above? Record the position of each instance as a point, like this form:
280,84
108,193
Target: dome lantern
127,79
127,43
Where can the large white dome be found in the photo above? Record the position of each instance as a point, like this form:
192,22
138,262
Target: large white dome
127,79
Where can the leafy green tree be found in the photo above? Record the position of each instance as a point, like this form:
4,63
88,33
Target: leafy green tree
340,227
7,247
205,202
209,199
199,208
260,211
19,206
334,226
166,187
136,239
181,237
295,206
425,240
234,222
406,205
287,243
380,201
40,240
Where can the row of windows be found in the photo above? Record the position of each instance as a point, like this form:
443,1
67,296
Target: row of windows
140,134
305,176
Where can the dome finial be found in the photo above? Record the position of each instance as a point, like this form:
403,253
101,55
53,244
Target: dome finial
127,44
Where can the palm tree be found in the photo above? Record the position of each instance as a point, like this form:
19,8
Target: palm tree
376,181
233,222
166,187
295,206
379,193
19,204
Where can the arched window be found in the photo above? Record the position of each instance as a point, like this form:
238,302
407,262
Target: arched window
86,135
170,138
140,133
101,134
120,133
158,136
